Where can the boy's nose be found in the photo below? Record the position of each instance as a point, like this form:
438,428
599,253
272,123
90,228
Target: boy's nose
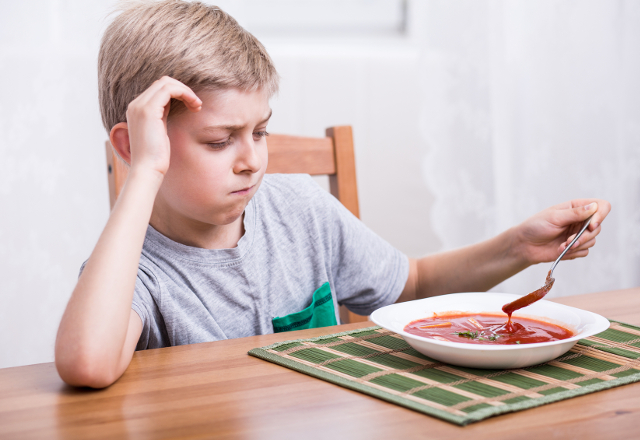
248,158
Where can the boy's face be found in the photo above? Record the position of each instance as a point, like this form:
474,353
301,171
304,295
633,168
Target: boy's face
218,158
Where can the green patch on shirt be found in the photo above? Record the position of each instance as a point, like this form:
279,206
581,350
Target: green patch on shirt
320,313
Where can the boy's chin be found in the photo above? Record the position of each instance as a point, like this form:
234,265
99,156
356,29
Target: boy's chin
227,218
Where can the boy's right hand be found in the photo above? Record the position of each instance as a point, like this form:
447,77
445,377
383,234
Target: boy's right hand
149,147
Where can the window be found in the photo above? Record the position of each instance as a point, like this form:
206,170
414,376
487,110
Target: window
319,18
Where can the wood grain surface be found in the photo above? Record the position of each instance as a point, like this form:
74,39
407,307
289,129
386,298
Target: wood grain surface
343,184
215,390
297,154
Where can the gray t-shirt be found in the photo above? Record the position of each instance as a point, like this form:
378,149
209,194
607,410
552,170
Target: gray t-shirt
297,237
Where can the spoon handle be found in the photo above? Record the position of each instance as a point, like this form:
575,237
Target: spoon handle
570,244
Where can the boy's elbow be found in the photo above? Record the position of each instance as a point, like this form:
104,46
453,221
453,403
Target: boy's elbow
85,371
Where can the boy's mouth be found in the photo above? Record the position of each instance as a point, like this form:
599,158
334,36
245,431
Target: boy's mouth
243,191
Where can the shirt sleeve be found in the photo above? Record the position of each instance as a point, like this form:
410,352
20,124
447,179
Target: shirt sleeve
368,273
145,296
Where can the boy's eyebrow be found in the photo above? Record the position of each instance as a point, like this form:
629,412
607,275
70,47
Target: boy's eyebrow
234,127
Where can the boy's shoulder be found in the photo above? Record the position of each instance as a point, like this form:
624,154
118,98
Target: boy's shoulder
292,189
295,196
290,183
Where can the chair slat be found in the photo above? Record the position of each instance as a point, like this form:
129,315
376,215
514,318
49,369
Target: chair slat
295,154
343,183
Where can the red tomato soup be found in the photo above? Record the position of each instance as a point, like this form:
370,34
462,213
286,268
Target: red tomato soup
481,328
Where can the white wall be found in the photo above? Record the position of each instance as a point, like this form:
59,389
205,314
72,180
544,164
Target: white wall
53,191
529,104
398,93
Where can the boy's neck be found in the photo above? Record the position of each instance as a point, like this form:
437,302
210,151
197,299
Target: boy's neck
200,235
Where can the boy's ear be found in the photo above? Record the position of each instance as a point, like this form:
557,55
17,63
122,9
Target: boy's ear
119,138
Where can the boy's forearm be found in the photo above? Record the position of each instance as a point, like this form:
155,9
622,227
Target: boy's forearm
478,267
94,326
540,238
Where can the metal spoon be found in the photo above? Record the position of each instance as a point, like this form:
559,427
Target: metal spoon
540,293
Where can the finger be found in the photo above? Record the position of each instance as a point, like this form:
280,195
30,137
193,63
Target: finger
575,203
574,255
176,90
569,239
581,245
569,216
162,90
585,237
604,208
144,97
189,97
159,101
564,245
589,235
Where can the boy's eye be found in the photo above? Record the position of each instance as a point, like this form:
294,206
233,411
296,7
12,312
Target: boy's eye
219,145
259,135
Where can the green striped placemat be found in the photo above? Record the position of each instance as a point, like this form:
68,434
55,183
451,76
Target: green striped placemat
380,363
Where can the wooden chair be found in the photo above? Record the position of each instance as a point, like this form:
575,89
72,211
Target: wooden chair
331,155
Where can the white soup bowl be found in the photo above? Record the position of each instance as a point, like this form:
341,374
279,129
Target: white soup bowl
581,322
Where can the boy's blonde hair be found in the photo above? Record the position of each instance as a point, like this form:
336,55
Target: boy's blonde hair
197,44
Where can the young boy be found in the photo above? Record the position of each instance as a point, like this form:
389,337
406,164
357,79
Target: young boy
201,245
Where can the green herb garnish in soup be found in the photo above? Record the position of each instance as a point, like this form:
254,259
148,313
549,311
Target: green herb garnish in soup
480,328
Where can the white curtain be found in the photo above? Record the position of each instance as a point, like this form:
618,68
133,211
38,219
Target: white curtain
528,104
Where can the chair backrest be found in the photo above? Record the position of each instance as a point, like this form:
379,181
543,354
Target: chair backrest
331,155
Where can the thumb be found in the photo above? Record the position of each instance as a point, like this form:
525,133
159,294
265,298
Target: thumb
574,215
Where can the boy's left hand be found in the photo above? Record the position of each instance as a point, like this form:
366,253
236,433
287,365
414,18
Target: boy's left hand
543,237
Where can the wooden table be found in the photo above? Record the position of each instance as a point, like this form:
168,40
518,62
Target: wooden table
216,390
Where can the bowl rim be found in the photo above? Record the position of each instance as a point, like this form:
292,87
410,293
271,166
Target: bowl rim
598,327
